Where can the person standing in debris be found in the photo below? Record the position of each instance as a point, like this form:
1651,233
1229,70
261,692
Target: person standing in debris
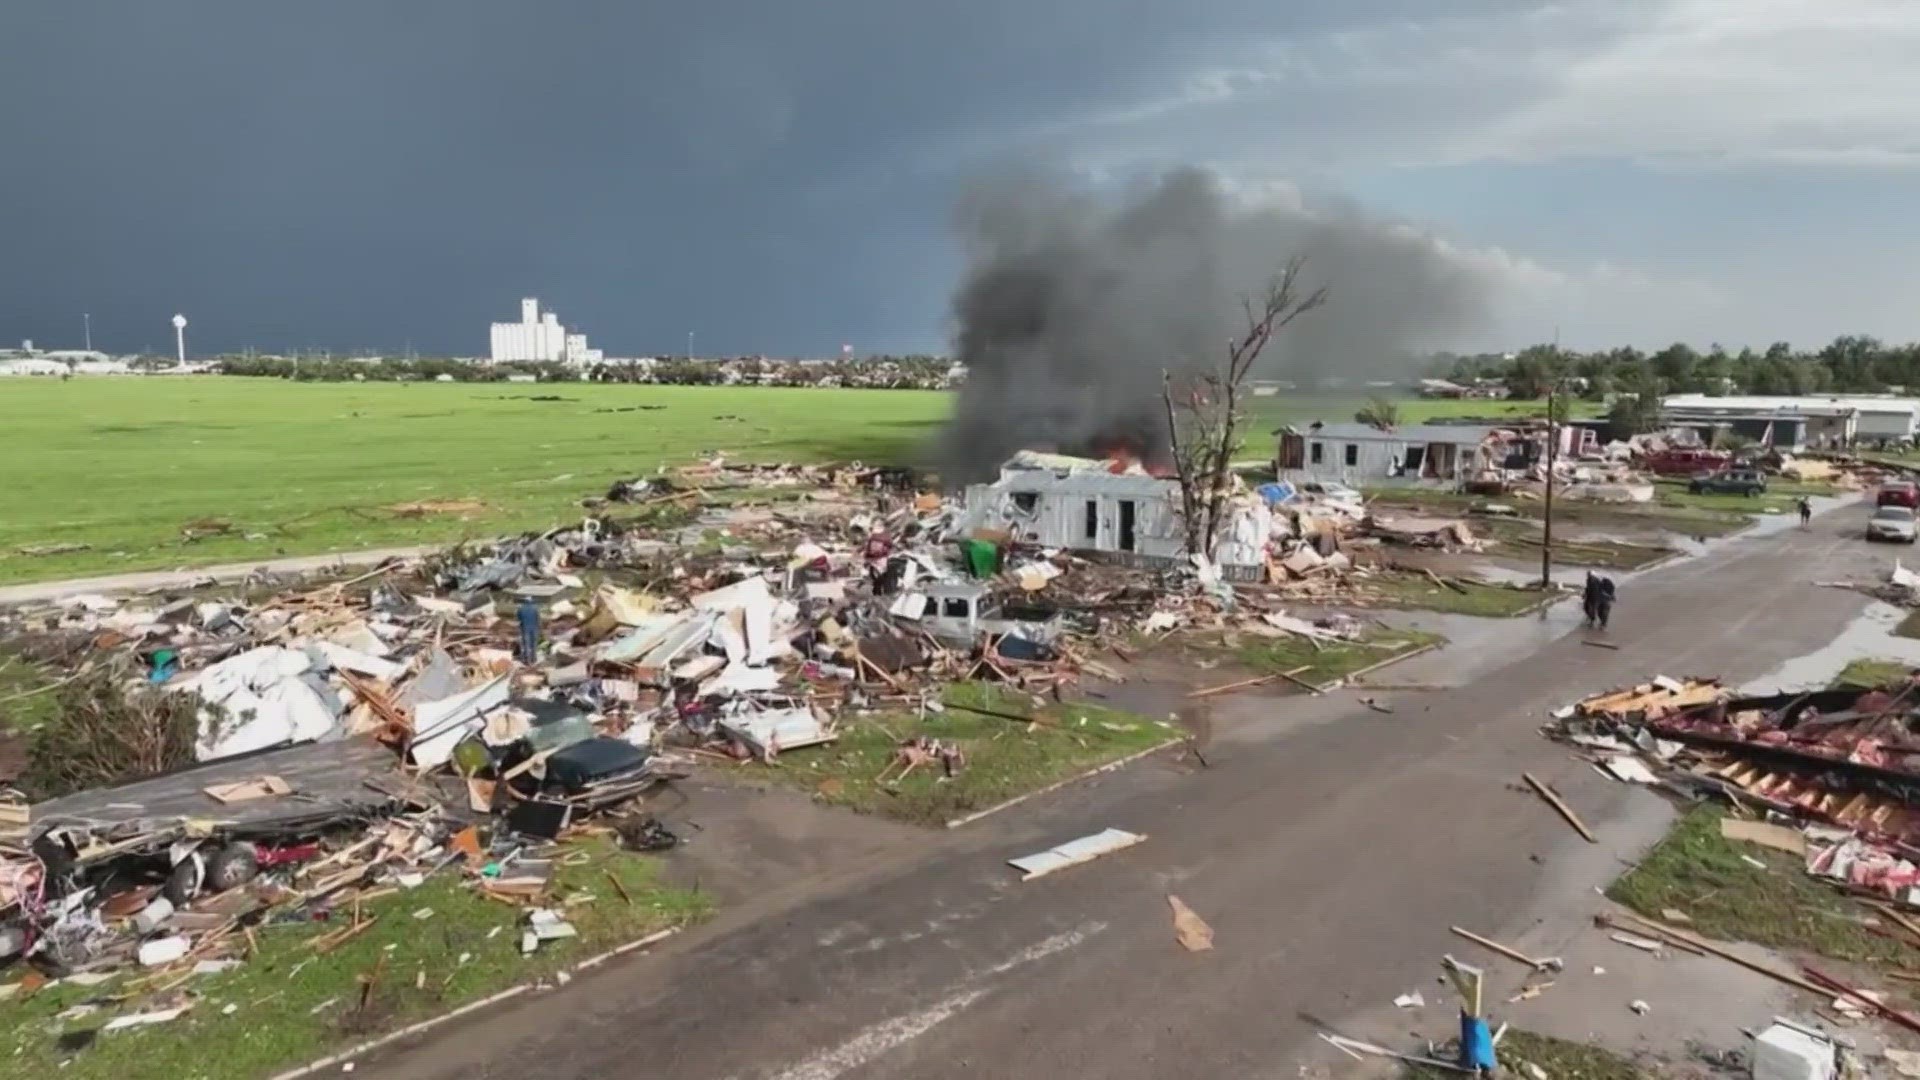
1590,598
1806,511
529,617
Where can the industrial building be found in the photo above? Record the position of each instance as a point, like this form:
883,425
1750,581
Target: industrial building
539,337
1798,423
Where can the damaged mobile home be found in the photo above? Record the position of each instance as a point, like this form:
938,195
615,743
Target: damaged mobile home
1130,518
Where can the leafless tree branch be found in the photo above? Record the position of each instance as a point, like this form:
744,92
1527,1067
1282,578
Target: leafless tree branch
1204,413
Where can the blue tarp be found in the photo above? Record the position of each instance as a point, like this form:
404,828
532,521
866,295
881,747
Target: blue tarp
1275,493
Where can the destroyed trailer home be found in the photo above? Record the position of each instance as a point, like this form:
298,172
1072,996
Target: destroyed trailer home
1437,454
1842,765
1128,518
1360,454
361,735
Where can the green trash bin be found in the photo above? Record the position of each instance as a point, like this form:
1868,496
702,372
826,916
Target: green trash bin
982,558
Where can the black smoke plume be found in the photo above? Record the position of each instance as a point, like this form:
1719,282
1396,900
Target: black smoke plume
1072,306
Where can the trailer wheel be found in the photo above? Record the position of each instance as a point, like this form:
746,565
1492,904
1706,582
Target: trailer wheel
231,867
185,881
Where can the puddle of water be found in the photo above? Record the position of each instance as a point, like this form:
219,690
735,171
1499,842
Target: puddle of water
1508,575
1868,637
1771,524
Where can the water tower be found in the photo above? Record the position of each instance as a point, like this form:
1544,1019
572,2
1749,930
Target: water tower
180,338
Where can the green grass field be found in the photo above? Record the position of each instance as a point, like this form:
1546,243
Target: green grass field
271,468
122,465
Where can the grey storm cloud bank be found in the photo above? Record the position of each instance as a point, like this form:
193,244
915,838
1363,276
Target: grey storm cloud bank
1073,306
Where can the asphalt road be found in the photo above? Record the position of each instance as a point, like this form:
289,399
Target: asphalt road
1329,847
41,591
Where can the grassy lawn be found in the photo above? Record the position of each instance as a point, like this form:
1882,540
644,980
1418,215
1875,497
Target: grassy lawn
121,465
1871,673
1519,536
1909,626
1400,589
1333,660
292,1005
1688,520
1780,497
1004,758
1558,1058
1696,871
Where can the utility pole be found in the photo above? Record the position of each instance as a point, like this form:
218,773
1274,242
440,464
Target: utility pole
1553,445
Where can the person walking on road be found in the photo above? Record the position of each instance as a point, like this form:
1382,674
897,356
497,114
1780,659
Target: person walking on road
1597,600
1806,511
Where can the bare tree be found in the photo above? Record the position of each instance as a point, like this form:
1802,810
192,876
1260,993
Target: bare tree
1204,411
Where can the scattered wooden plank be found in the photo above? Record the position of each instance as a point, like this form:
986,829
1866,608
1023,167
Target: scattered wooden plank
1777,837
1509,953
1224,688
260,787
1708,947
1600,644
1554,800
1904,1019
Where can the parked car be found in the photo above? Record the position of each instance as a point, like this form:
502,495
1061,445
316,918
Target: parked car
1331,491
1730,482
1893,523
1686,462
1898,493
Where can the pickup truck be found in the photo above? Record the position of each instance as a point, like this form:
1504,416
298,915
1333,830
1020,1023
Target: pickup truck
1729,482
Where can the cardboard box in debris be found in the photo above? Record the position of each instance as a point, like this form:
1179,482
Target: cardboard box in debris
439,715
1837,769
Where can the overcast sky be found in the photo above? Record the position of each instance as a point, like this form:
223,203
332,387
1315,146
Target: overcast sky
780,177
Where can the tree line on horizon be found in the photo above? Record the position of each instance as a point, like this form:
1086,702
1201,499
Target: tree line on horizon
1850,364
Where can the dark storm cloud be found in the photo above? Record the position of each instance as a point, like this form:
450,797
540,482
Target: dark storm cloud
373,174
1073,306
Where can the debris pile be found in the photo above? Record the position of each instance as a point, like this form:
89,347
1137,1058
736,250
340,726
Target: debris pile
463,712
1839,769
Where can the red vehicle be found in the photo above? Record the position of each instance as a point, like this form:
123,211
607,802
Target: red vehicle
1688,462
1898,493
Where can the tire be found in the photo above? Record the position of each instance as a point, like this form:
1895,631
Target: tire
184,883
231,867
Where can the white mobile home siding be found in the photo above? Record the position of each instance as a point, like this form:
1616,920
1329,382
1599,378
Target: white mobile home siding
1062,508
1357,455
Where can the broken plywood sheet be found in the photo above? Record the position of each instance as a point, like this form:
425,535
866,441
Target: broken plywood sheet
775,730
261,787
1652,699
1189,929
1074,852
440,725
1759,832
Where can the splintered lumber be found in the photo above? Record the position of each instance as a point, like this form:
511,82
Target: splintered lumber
1015,717
1509,953
1904,1019
1293,677
1232,686
328,942
1706,946
1554,800
1468,980
1648,926
1600,644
